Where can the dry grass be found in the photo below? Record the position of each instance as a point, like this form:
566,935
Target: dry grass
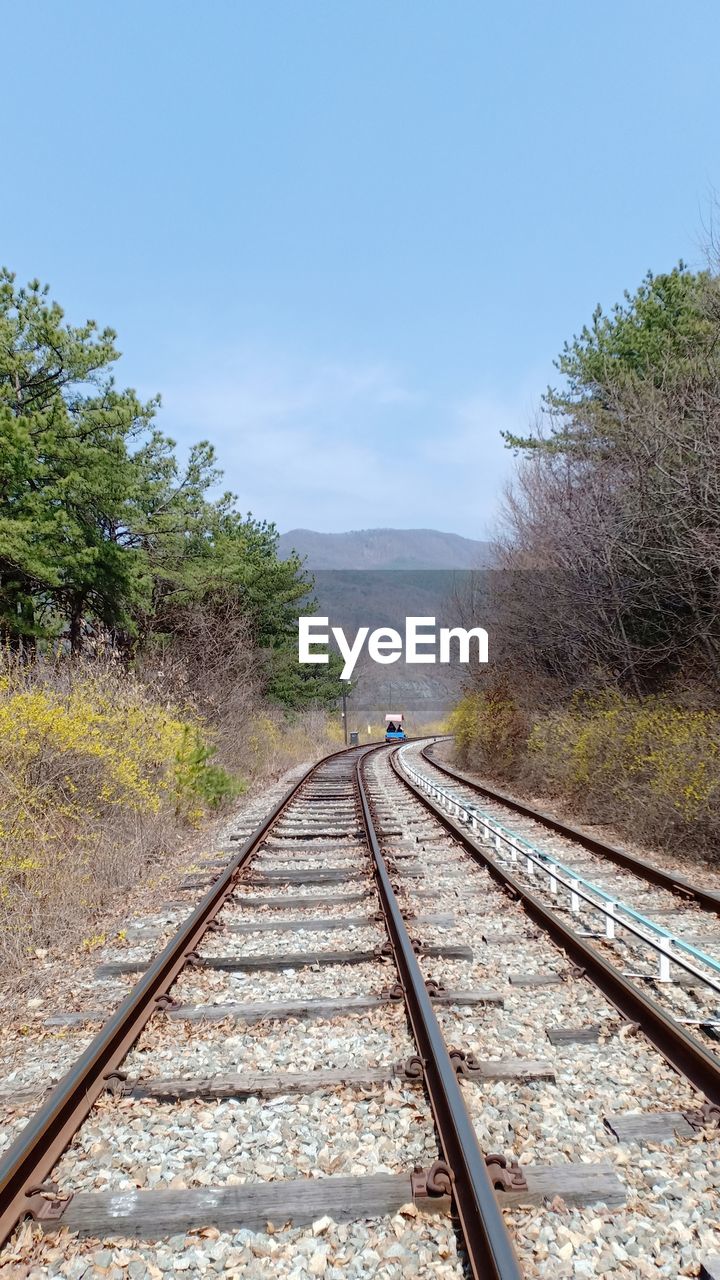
216,662
274,742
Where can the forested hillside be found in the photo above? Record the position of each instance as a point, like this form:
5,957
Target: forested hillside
405,549
606,626
148,628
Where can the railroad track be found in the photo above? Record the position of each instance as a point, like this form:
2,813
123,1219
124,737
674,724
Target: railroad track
660,929
540,822
317,853
354,1037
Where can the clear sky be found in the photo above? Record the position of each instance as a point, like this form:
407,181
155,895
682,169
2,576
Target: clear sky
345,240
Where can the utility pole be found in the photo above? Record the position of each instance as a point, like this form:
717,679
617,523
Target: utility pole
344,715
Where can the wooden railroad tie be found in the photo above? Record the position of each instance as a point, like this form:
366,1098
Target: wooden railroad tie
330,875
259,1084
573,1035
283,903
663,1126
291,960
248,1084
318,1008
155,1214
313,1007
536,979
323,923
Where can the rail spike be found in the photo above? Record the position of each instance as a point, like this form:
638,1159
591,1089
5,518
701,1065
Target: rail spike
434,988
413,1068
435,1181
706,1116
45,1203
505,1175
114,1082
165,1002
464,1064
396,992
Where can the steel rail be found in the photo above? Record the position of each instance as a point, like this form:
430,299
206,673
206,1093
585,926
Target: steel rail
32,1156
489,1247
709,899
555,870
680,1049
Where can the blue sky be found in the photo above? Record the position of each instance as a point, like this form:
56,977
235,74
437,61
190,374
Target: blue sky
346,240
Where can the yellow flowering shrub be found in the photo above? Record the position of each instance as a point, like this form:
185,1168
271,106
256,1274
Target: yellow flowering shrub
490,731
613,747
94,772
647,765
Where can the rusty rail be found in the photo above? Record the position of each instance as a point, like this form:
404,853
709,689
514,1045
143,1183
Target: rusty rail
466,1173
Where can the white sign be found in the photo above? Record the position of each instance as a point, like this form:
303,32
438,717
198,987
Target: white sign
422,643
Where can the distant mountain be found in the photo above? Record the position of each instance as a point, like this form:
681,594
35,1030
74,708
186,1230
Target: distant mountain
386,549
378,578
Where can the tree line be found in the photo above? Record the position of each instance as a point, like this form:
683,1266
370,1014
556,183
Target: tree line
609,554
103,534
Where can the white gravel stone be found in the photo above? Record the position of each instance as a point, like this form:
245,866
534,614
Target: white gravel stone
378,1037
205,986
406,1247
267,943
348,1132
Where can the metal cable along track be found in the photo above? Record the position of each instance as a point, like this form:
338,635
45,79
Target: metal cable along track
680,1049
709,899
616,912
464,1174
